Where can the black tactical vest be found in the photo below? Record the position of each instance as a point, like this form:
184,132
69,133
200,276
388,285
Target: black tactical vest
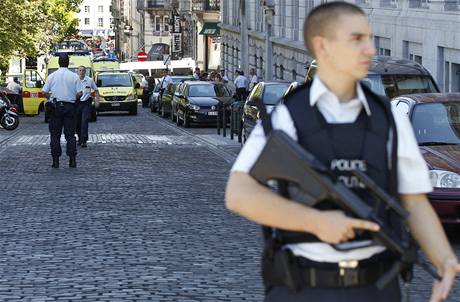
361,145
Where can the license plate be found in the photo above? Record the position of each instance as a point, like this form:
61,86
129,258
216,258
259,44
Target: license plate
115,104
212,113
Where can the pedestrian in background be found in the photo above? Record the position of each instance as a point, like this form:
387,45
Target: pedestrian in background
321,252
197,73
16,86
253,79
224,77
241,84
84,107
63,88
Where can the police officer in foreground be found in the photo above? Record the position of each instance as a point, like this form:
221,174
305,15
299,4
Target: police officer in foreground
83,114
347,127
63,88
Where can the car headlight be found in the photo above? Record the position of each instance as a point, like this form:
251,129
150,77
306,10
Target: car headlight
444,179
132,97
194,107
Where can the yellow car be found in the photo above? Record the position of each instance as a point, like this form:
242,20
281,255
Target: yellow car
117,91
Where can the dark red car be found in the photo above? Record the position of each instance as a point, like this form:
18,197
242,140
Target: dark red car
435,118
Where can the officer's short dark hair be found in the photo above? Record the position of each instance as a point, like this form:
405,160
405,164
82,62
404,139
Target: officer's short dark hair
320,19
63,60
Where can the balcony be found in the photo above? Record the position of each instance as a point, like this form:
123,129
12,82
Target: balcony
206,5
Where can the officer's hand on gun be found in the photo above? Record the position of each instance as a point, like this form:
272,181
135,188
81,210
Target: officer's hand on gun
335,227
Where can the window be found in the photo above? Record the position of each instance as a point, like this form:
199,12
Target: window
86,8
166,23
100,8
157,23
86,21
100,22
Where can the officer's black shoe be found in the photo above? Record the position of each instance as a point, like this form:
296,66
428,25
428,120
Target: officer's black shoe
72,162
55,162
84,145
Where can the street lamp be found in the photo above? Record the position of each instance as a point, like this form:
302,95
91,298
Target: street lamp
269,7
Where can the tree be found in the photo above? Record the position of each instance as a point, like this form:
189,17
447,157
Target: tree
30,27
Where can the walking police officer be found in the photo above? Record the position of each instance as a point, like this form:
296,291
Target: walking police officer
348,127
84,106
63,88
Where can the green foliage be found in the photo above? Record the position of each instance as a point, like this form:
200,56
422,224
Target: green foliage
29,27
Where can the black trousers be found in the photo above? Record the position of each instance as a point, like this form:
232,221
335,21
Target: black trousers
63,117
391,293
83,116
241,94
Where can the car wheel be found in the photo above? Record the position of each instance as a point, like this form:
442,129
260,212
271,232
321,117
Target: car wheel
93,115
186,120
152,107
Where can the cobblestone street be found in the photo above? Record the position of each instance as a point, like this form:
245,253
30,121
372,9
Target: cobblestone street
142,218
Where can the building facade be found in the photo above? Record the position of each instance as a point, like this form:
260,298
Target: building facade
95,18
128,25
420,30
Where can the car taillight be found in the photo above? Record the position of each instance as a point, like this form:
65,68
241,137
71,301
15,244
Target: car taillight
41,94
93,94
13,109
26,94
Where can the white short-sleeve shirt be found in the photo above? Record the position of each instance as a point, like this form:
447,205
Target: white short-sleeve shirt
88,85
413,177
63,85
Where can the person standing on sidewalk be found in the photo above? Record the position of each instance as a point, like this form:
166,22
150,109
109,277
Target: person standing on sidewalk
321,252
62,88
253,79
83,114
241,84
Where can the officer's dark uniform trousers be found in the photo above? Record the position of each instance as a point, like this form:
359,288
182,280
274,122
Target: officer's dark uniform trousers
63,117
82,118
364,140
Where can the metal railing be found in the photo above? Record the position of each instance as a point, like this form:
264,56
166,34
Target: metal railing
230,114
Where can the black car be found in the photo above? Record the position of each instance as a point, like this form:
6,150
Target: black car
154,98
270,93
166,99
198,102
393,77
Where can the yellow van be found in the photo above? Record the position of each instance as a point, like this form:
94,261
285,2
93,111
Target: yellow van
117,91
33,99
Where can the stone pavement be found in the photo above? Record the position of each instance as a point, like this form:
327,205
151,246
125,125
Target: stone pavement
142,218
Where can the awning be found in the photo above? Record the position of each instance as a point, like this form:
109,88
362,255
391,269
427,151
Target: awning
210,29
86,33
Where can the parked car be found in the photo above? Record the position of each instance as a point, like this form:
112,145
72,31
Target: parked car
198,102
435,118
270,93
154,100
392,77
166,99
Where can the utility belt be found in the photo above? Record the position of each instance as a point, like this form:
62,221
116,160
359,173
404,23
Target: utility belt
283,268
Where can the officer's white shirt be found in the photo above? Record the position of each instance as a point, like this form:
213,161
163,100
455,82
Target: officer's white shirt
88,84
165,81
241,82
413,177
14,86
63,85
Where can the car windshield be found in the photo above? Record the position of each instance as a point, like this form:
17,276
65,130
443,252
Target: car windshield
208,90
395,85
273,93
75,70
114,80
436,123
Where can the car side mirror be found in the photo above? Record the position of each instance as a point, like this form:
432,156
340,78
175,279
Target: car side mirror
137,85
38,84
251,103
98,83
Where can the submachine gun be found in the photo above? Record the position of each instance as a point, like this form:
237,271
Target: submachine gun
285,161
